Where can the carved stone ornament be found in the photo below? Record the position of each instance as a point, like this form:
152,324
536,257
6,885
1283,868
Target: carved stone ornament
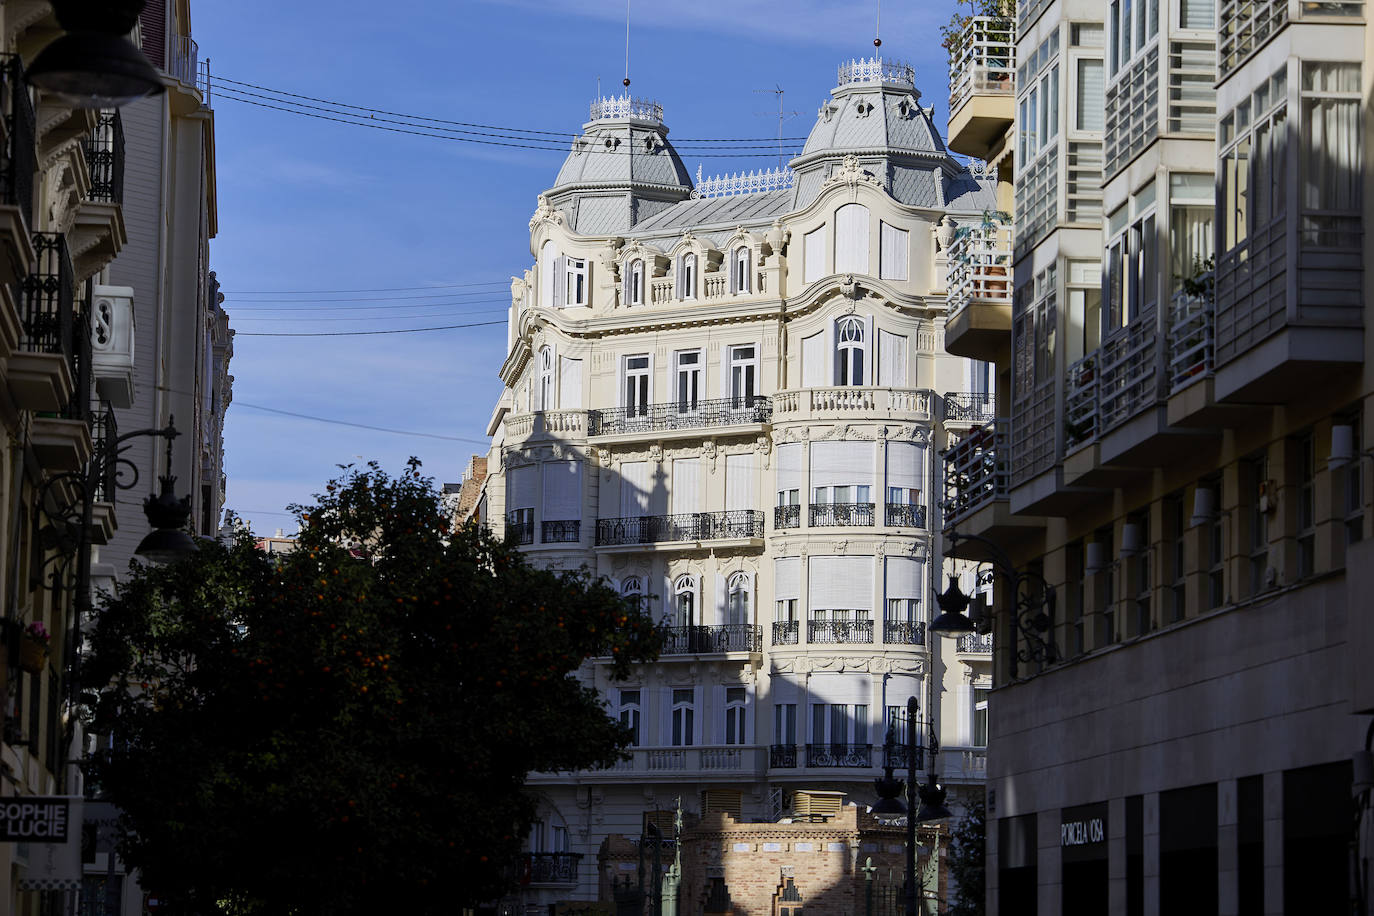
517,289
863,107
656,453
944,232
708,449
849,288
603,455
777,236
840,546
852,174
826,111
545,213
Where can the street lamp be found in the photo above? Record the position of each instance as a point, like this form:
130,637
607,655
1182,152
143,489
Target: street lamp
94,65
168,541
952,622
890,807
1032,608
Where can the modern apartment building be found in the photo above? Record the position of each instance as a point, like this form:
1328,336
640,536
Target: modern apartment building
1183,350
727,397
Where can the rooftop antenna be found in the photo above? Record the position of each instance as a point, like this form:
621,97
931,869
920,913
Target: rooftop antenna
783,116
627,47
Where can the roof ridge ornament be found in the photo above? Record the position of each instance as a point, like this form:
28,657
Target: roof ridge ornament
870,70
623,107
851,173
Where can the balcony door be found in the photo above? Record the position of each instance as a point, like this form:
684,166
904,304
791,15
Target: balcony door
637,386
688,382
743,372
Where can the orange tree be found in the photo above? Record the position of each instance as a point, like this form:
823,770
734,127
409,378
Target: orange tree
347,726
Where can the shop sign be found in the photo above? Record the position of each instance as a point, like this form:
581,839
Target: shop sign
35,818
1083,832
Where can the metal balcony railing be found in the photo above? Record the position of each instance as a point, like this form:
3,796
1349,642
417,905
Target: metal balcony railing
21,153
828,515
105,158
837,632
1192,338
904,515
782,756
45,311
983,60
839,755
1080,402
968,407
975,471
551,868
1129,372
904,633
561,531
701,640
520,532
786,632
787,516
104,433
899,756
974,643
876,70
679,415
183,56
979,267
691,526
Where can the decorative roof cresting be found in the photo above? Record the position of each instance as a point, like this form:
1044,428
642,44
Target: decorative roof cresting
621,107
875,70
742,183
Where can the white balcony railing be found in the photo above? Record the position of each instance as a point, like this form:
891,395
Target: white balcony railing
1080,402
963,764
852,402
553,424
979,266
622,107
1192,335
984,60
865,71
733,760
743,183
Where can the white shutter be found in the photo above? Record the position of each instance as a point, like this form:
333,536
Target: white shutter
560,281
548,254
870,373
815,364
841,464
841,582
739,481
851,239
891,360
634,488
892,256
905,464
789,466
813,255
786,578
719,611
686,485
562,490
520,487
569,383
903,577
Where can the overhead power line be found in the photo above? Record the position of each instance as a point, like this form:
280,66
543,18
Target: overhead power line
239,310
382,289
315,318
446,327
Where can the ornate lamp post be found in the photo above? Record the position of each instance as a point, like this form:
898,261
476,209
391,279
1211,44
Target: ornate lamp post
890,806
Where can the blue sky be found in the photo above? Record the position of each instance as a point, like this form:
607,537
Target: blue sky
312,205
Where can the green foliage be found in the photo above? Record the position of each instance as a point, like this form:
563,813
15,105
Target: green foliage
966,862
349,725
1202,283
952,30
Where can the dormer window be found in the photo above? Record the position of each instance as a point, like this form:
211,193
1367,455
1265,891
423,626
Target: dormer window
740,270
576,274
634,283
687,276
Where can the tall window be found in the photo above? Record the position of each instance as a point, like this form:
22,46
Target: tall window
633,588
735,715
577,290
1088,103
546,401
687,276
688,380
1192,208
548,274
684,712
741,271
630,714
1307,505
637,385
1331,155
1140,575
1131,281
737,600
635,283
851,239
785,723
849,351
1253,163
1353,497
685,601
980,716
839,724
743,368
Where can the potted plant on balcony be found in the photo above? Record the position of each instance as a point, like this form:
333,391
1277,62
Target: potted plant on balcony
33,648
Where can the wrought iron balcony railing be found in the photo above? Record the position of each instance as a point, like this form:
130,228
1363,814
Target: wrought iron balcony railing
786,632
1192,337
984,59
45,312
679,415
782,756
974,643
104,433
691,526
787,516
975,471
876,70
839,631
105,158
905,515
1080,402
702,640
968,407
839,755
979,267
21,152
561,531
827,515
520,532
904,633
551,868
898,757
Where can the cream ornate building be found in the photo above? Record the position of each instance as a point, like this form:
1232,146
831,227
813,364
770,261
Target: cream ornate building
727,399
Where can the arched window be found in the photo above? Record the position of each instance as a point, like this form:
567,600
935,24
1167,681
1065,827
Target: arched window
737,599
687,276
634,284
685,601
632,587
740,270
849,351
546,401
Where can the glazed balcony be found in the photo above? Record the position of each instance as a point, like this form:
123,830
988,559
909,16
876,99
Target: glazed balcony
978,283
42,371
679,418
852,403
546,426
711,640
832,515
981,93
975,408
743,525
550,868
975,472
839,632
